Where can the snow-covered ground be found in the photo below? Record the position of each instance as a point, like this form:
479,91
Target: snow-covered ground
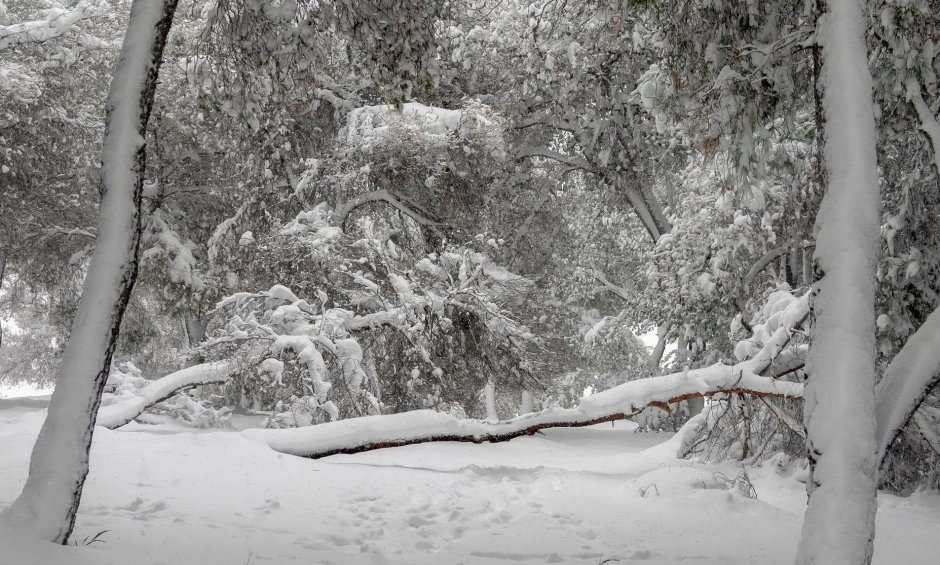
595,495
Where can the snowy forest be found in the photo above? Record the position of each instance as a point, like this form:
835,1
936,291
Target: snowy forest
469,281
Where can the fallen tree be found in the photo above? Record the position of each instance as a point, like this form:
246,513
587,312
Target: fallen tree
784,315
621,402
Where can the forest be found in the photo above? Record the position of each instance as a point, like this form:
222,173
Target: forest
683,252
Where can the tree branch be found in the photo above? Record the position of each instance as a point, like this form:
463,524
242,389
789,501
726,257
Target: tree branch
423,426
116,415
928,122
56,23
343,211
570,160
910,376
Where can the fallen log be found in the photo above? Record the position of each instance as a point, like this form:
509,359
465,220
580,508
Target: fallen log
423,426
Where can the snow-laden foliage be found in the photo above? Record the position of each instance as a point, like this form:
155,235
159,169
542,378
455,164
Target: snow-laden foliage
378,330
514,191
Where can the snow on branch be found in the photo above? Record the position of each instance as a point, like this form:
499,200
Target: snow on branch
122,412
541,152
422,426
910,376
761,263
929,123
55,23
423,219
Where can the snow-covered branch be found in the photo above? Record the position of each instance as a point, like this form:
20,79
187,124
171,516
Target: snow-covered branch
928,121
762,263
57,22
907,380
122,412
422,426
343,212
570,160
784,314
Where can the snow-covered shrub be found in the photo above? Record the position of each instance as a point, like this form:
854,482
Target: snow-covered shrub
123,382
195,411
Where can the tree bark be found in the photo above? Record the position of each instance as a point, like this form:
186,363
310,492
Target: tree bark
839,527
59,463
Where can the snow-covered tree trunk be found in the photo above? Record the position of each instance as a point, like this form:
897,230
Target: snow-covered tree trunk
839,526
59,462
656,357
195,329
489,400
527,405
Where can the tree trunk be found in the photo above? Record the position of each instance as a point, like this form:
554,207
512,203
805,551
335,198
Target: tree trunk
656,357
195,329
839,527
59,462
527,405
745,427
489,399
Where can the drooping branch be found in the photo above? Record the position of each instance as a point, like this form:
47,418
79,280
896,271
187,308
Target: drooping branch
929,123
569,160
762,263
422,218
910,376
423,426
124,411
788,420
